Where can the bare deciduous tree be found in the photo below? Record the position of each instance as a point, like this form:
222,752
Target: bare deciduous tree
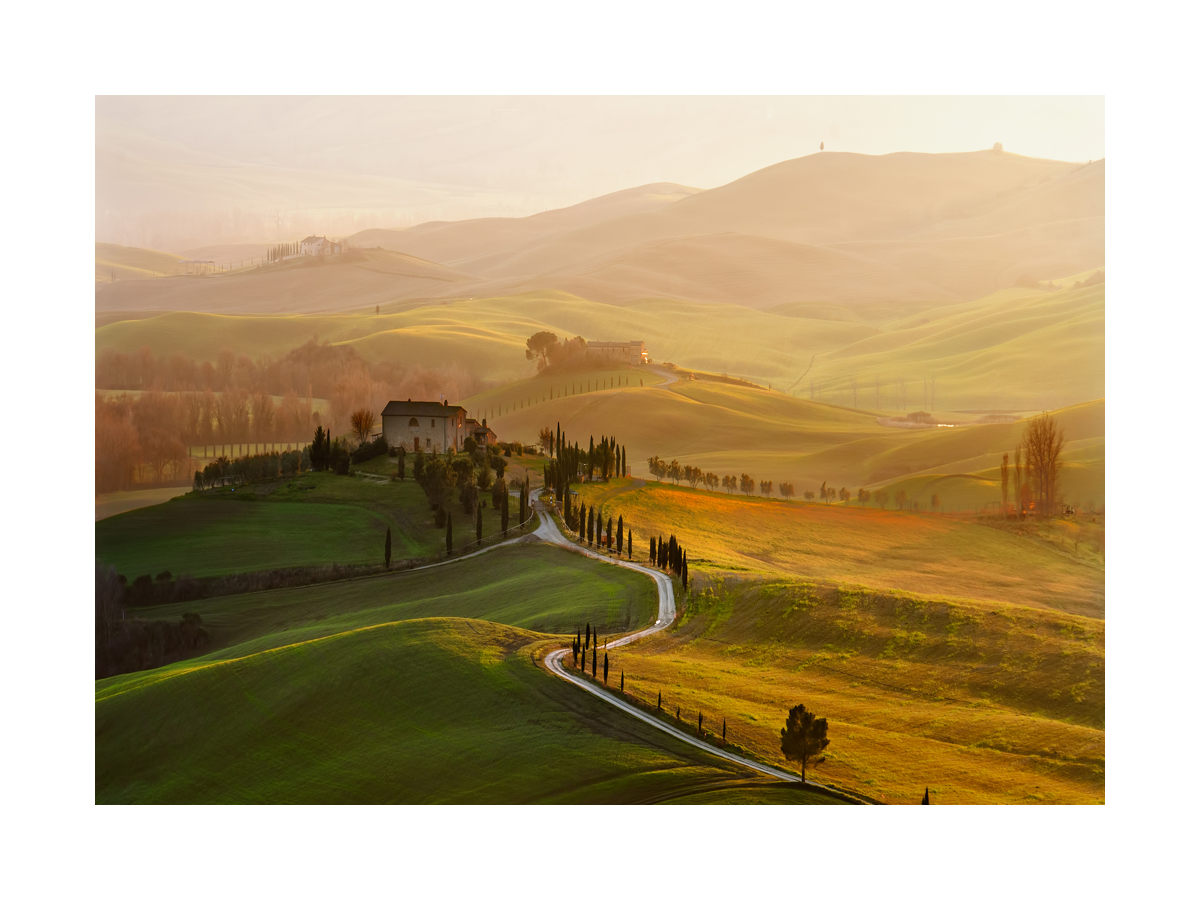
1043,443
362,421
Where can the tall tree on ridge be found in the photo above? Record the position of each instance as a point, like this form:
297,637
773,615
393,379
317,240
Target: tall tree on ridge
387,549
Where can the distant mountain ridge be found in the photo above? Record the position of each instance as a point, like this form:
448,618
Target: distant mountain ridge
843,228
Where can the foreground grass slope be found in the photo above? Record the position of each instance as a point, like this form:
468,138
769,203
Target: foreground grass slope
980,703
882,549
342,696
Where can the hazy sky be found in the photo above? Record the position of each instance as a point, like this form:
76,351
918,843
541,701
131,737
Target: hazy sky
196,169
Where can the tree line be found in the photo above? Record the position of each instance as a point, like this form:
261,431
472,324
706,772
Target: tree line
333,372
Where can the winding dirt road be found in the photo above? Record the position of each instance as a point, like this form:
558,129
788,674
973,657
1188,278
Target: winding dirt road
548,531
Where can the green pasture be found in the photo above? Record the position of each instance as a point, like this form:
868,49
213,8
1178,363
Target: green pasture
347,694
314,518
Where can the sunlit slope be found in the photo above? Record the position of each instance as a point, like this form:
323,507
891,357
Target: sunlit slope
476,243
731,429
487,336
977,703
424,711
132,263
1015,350
965,224
364,278
882,549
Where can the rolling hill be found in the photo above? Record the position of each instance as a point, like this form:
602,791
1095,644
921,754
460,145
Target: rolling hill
328,695
843,228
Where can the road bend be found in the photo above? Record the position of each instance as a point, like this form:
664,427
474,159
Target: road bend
549,532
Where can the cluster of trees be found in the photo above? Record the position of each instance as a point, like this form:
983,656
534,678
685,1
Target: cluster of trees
570,464
1036,469
334,372
257,467
670,557
553,356
131,645
282,251
473,472
328,454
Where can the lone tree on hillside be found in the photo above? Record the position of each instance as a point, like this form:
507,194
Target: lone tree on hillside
546,439
804,739
1043,444
363,422
539,347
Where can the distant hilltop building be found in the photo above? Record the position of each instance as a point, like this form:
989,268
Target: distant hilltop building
632,353
425,425
319,246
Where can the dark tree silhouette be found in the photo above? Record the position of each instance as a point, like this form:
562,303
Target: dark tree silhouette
925,799
387,549
804,738
449,533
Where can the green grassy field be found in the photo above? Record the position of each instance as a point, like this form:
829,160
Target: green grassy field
882,549
310,519
339,696
979,702
527,585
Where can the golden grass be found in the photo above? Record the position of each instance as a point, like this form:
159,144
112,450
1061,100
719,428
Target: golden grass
881,549
979,704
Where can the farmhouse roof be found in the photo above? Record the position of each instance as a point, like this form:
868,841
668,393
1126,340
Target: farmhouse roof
430,408
312,239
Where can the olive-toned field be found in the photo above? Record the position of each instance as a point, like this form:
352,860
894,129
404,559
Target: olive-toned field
336,695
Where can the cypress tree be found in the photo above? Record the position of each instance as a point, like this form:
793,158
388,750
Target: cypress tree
593,660
629,543
504,515
449,533
608,533
700,725
925,800
479,523
622,681
660,701
620,535
582,523
606,667
591,525
587,641
575,650
722,732
653,551
387,549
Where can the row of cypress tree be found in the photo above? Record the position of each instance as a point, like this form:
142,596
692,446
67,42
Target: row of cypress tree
569,464
670,557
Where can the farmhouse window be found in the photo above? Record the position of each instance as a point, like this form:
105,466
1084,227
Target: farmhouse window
412,423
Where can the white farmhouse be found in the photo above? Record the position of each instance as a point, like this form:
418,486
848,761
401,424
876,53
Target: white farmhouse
424,425
319,246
